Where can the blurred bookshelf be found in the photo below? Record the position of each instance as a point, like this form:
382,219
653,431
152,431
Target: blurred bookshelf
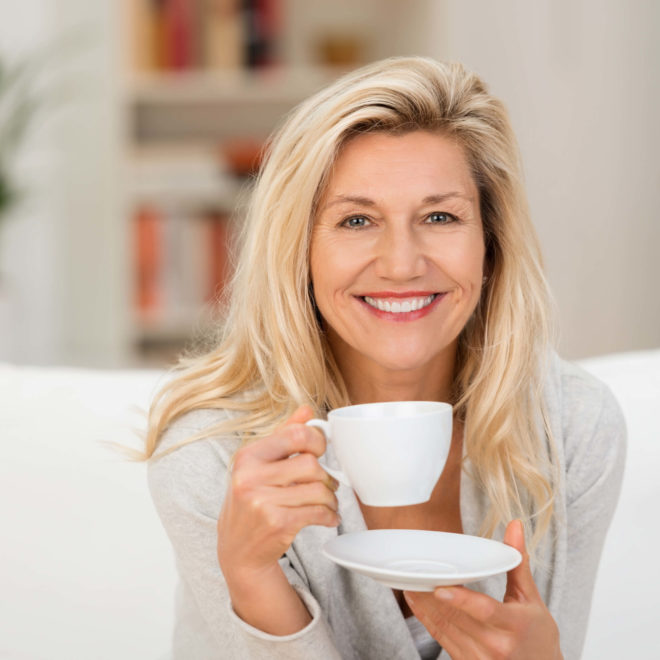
202,85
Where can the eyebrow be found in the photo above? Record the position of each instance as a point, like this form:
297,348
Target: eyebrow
366,201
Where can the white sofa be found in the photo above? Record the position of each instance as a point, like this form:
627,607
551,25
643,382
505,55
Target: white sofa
86,570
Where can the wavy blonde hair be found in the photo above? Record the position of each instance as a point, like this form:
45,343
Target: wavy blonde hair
272,357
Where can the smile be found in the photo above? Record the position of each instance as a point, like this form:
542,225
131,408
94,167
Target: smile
401,306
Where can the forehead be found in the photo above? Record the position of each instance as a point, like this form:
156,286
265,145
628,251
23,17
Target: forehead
421,162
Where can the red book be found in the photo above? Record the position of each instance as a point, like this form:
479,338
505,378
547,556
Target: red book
179,17
148,259
219,255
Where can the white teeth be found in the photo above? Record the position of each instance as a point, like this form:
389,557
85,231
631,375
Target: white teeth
410,305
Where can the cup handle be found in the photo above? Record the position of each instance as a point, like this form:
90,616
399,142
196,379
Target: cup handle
325,428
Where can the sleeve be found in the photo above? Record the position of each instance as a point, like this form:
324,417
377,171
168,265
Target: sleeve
595,446
188,487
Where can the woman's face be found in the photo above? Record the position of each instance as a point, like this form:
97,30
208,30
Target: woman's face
397,251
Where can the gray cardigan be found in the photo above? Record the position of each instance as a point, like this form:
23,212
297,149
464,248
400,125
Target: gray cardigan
354,617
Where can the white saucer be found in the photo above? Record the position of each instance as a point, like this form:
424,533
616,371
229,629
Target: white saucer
420,560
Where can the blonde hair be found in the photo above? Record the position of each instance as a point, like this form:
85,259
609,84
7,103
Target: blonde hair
272,357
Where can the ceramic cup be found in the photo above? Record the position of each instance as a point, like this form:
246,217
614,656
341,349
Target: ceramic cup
392,453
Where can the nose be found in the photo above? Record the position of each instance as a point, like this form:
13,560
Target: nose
400,254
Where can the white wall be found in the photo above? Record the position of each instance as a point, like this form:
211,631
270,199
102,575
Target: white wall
581,81
27,260
96,256
63,275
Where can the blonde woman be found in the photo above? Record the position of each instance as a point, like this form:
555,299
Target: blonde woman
388,254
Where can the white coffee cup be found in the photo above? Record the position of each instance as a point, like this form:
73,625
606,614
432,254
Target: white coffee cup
392,453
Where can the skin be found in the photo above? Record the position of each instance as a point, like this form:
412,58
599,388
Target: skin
270,498
399,215
470,625
398,222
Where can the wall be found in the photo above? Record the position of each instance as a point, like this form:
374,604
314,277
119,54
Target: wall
95,257
60,254
581,81
27,235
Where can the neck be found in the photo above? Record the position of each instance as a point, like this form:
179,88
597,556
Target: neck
370,383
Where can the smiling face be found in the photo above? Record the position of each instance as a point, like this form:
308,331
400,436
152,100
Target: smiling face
397,253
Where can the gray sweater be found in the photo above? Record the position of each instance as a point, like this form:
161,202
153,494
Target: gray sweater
354,617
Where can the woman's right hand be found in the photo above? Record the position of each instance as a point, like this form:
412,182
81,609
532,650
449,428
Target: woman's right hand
277,487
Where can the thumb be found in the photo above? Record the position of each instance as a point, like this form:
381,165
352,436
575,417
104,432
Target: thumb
300,416
520,585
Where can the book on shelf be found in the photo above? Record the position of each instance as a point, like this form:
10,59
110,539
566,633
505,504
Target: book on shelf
262,25
179,42
181,261
180,35
148,258
222,34
217,255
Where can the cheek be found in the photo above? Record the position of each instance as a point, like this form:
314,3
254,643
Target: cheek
474,255
464,261
465,267
333,263
318,258
325,273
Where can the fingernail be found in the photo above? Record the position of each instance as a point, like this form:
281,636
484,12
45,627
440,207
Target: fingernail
443,593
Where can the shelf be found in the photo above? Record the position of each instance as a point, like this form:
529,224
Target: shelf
171,327
216,105
181,177
191,139
221,193
266,86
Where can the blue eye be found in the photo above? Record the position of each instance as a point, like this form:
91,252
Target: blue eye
355,222
438,218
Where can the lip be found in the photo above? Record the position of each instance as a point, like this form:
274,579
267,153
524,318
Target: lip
401,317
399,294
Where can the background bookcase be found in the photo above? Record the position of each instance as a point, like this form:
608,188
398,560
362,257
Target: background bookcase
202,85
116,134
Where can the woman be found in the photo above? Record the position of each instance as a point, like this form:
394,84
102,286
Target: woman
388,255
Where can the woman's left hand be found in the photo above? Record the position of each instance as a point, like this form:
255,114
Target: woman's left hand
471,625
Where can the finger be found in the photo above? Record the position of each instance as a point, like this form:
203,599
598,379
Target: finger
520,585
314,514
442,623
290,439
445,614
305,495
300,416
514,535
479,607
302,468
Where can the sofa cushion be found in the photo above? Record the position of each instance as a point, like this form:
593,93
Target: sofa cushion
86,570
624,613
85,566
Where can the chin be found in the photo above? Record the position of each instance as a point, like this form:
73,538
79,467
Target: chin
395,361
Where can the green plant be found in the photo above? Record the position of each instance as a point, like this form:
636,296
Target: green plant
17,109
